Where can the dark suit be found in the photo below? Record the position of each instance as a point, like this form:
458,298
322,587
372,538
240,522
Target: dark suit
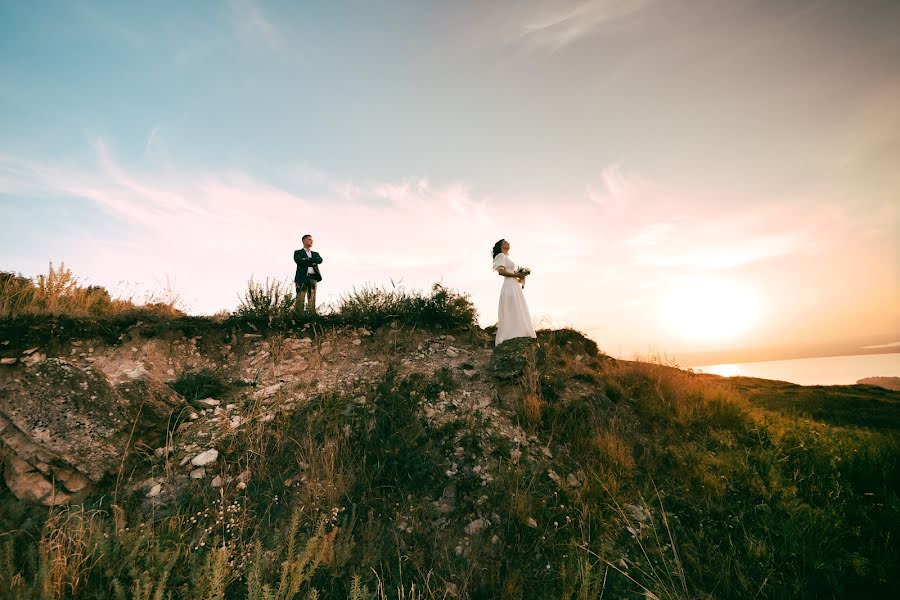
304,281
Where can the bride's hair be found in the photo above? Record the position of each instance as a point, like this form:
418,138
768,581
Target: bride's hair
498,248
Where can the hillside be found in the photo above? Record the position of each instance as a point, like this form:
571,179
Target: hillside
239,458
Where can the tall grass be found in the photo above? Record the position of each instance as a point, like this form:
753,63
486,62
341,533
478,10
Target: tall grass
59,292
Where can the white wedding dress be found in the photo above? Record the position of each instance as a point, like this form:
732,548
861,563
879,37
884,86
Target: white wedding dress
514,318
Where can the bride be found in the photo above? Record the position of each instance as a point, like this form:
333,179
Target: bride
515,320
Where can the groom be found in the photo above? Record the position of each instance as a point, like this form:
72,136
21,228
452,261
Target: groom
308,276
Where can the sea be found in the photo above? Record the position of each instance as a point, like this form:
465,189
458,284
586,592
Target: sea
830,370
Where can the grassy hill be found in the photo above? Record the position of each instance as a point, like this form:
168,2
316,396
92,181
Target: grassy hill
409,461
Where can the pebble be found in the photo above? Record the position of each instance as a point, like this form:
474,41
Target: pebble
207,457
154,491
8,361
198,473
217,482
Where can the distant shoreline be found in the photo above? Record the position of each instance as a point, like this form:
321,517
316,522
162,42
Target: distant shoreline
697,359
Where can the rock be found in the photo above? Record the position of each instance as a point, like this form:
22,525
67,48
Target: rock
252,336
477,526
572,480
452,352
357,342
268,391
154,491
63,428
33,359
205,458
217,482
514,455
510,358
552,475
208,402
8,361
30,351
531,523
236,421
198,473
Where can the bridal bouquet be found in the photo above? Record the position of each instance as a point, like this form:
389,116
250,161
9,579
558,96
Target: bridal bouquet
523,272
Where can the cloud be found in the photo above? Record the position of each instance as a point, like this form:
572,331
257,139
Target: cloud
559,26
253,27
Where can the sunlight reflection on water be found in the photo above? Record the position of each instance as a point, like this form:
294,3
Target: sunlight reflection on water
831,370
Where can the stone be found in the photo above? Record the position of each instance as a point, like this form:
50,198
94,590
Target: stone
154,491
64,428
572,480
268,391
8,361
217,482
198,473
553,475
208,402
357,342
531,523
33,359
205,458
510,359
30,351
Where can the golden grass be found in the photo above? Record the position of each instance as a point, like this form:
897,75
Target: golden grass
59,292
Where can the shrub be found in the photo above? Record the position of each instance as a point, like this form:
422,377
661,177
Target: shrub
374,306
269,302
196,385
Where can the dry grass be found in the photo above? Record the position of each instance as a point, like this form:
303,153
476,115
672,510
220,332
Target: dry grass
68,550
60,292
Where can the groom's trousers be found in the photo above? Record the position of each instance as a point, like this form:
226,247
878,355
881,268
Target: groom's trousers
306,295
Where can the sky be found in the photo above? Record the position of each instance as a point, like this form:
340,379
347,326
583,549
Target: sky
679,175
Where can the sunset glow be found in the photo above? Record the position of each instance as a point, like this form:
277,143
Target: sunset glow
711,310
671,189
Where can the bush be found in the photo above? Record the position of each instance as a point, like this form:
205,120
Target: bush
197,385
374,306
272,301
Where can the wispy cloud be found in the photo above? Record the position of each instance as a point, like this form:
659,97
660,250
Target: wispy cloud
254,27
555,27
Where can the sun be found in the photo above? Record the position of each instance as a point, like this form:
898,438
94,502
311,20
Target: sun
709,309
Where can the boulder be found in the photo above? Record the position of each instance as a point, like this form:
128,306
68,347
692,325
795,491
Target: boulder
511,358
63,427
